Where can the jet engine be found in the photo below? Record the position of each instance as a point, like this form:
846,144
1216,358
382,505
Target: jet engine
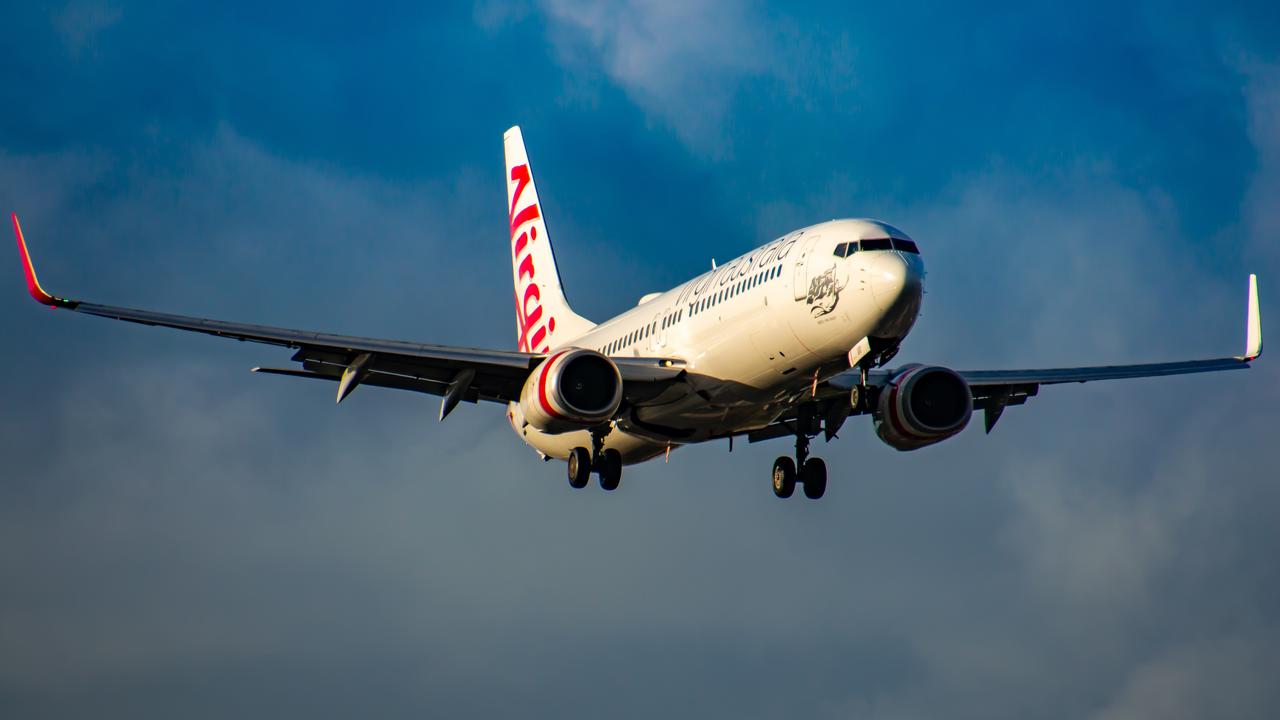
922,405
571,390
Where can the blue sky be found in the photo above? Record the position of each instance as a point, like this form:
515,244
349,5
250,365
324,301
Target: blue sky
1088,184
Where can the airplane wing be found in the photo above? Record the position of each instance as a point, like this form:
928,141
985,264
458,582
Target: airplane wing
457,373
993,390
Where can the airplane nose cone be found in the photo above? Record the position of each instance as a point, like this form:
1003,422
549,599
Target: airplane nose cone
897,284
891,279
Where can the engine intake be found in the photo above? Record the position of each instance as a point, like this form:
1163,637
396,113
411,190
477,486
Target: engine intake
922,405
571,390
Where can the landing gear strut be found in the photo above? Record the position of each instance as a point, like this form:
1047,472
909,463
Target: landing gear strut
607,463
809,472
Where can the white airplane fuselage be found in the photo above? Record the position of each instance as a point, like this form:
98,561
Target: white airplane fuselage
754,333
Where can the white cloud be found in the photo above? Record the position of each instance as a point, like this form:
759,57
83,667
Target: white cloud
1227,677
681,61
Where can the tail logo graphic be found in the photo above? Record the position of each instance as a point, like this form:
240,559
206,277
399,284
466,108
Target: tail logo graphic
535,329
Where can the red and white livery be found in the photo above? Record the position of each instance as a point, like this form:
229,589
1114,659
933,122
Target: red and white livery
788,340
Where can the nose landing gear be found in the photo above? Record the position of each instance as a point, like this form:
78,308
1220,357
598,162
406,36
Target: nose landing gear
811,474
606,463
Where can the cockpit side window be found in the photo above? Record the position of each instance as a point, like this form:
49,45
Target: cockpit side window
906,246
842,249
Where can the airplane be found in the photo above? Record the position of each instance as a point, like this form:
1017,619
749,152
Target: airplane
789,340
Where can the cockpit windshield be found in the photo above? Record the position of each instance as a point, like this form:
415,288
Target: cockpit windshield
846,249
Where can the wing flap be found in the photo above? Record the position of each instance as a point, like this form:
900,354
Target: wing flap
375,379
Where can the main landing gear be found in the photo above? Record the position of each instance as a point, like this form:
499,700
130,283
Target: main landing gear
812,473
606,463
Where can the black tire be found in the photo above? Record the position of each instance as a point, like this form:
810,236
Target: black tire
814,477
579,468
610,470
784,477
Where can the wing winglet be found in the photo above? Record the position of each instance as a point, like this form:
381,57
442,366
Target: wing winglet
1253,340
33,283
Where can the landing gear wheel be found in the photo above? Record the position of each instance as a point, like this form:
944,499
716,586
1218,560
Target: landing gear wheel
784,477
610,469
814,477
579,467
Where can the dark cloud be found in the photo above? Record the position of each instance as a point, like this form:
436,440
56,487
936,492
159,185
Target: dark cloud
179,537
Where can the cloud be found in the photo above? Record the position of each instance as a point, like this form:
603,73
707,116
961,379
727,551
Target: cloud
681,62
1221,677
80,22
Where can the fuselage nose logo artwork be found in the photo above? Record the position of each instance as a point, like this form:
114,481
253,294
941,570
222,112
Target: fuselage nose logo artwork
535,329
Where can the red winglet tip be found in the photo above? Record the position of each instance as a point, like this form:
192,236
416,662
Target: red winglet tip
33,284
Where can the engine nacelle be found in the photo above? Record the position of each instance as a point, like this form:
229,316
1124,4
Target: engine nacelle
922,405
571,390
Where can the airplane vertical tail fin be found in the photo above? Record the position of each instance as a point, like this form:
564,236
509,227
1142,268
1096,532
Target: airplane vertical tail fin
543,318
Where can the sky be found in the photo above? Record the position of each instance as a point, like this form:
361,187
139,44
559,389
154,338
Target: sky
1090,183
